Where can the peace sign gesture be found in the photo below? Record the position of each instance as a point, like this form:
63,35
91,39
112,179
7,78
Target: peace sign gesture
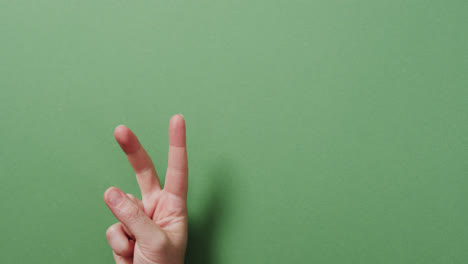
154,229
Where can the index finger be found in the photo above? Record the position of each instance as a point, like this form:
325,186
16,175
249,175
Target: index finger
139,160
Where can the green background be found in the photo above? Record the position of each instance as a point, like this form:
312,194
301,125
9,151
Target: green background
317,131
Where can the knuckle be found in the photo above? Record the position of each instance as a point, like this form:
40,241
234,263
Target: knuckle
110,231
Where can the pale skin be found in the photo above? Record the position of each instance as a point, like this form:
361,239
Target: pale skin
154,229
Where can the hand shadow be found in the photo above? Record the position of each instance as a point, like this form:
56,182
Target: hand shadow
202,231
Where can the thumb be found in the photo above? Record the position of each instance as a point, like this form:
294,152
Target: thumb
130,214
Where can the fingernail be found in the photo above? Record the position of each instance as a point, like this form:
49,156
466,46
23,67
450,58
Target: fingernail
181,116
115,197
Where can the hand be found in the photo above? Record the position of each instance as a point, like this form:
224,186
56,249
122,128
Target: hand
153,230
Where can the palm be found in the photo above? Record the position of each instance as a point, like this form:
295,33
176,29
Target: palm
170,212
166,207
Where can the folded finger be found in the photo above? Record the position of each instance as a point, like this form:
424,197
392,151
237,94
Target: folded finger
119,240
122,260
132,217
136,200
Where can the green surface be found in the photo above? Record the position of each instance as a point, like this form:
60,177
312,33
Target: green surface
317,131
